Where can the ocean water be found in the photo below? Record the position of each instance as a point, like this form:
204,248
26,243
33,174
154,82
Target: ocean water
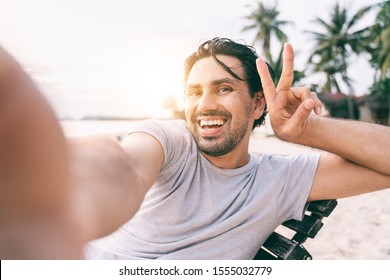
119,127
260,138
90,128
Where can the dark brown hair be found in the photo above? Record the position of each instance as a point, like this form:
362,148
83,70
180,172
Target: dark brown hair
245,53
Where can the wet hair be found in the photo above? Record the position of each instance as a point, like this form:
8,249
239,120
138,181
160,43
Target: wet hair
245,53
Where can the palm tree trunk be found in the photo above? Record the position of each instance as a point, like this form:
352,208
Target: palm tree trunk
388,116
351,94
351,109
267,48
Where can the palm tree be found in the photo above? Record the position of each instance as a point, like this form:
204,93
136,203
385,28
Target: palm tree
379,46
277,66
379,49
329,65
335,45
266,23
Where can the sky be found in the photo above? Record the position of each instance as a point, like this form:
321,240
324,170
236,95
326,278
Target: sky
125,58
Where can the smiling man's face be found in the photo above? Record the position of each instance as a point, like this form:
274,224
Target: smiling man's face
219,108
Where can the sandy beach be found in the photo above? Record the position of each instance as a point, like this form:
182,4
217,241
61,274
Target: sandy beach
359,227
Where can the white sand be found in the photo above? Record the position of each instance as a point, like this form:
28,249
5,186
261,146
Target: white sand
359,227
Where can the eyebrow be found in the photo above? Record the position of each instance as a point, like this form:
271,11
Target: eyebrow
215,83
223,81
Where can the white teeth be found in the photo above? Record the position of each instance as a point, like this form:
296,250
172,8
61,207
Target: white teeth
211,122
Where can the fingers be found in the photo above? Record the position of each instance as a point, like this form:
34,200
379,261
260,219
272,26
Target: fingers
287,76
318,104
304,93
266,80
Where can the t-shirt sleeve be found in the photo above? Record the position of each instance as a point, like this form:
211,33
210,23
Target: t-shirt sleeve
168,133
291,197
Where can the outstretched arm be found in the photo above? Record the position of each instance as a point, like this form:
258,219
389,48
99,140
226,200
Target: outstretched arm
359,161
36,217
111,179
54,194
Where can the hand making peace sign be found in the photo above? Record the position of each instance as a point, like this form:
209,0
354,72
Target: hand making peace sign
289,108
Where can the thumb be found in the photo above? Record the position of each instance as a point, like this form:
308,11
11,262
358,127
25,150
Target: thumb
303,112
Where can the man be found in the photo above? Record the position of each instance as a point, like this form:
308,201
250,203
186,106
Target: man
191,190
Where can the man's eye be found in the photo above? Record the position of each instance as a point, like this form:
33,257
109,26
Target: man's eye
224,89
194,93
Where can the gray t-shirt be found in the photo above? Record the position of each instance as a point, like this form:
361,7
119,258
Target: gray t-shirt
196,210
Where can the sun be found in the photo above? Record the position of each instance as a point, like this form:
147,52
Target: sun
149,89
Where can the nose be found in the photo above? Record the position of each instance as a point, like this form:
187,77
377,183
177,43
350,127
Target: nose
207,102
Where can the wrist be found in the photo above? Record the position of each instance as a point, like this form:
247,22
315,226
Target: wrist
309,132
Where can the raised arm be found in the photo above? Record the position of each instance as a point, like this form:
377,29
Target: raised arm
360,152
362,164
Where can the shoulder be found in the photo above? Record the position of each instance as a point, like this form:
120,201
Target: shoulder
162,130
150,125
173,136
283,162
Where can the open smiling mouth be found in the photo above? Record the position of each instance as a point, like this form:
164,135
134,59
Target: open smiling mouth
211,124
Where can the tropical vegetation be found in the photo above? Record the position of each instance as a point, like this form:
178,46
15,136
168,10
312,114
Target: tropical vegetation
337,41
266,23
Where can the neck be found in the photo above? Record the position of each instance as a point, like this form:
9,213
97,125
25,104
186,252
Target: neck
234,159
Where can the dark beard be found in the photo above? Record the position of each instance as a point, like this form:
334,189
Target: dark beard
227,145
231,140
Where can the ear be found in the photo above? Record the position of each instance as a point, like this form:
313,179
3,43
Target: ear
259,105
